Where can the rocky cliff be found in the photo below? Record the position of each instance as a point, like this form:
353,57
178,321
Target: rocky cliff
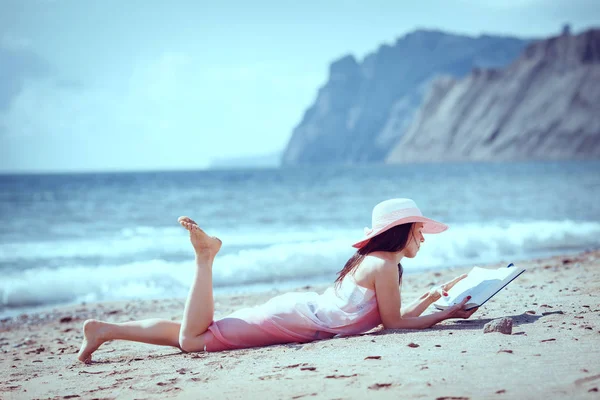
364,108
546,105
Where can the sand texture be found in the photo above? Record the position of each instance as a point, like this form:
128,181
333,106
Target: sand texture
553,351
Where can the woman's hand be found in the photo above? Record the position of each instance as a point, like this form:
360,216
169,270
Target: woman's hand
436,292
458,310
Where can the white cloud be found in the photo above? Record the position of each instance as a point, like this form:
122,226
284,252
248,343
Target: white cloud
102,122
146,117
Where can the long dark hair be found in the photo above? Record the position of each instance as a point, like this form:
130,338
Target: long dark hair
393,240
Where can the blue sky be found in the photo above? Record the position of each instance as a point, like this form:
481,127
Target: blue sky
149,85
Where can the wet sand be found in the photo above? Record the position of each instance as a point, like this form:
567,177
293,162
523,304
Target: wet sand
553,350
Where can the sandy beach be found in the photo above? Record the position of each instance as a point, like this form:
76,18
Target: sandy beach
553,350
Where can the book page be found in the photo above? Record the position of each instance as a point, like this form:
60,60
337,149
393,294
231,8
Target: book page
480,284
479,292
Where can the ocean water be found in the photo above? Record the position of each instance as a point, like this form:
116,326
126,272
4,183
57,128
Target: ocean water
93,237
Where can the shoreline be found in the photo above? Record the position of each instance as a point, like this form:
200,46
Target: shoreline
552,352
320,284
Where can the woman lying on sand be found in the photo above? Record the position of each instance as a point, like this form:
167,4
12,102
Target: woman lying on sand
366,294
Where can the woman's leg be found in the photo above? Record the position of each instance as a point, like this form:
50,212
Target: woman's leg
199,307
190,334
153,331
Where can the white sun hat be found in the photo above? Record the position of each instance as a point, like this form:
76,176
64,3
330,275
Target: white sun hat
394,212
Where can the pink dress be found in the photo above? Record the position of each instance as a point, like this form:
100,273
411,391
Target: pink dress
298,317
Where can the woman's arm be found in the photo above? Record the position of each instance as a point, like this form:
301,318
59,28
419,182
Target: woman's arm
388,301
417,307
420,322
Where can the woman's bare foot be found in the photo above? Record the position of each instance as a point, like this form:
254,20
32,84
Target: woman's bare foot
92,339
203,244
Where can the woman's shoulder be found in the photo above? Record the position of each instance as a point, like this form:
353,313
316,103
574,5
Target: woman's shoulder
378,262
372,266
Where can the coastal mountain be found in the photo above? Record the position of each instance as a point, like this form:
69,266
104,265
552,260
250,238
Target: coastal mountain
545,105
364,108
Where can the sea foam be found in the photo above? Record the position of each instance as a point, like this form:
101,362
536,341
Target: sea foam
264,258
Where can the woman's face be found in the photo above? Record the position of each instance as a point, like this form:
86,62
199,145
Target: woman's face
415,239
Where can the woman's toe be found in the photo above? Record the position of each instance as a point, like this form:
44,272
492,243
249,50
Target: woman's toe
186,220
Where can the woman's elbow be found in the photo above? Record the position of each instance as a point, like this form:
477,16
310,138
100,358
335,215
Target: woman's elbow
407,323
399,323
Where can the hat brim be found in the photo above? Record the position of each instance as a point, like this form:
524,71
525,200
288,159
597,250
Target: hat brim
429,227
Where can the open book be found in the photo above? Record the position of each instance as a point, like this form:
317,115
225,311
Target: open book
481,284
